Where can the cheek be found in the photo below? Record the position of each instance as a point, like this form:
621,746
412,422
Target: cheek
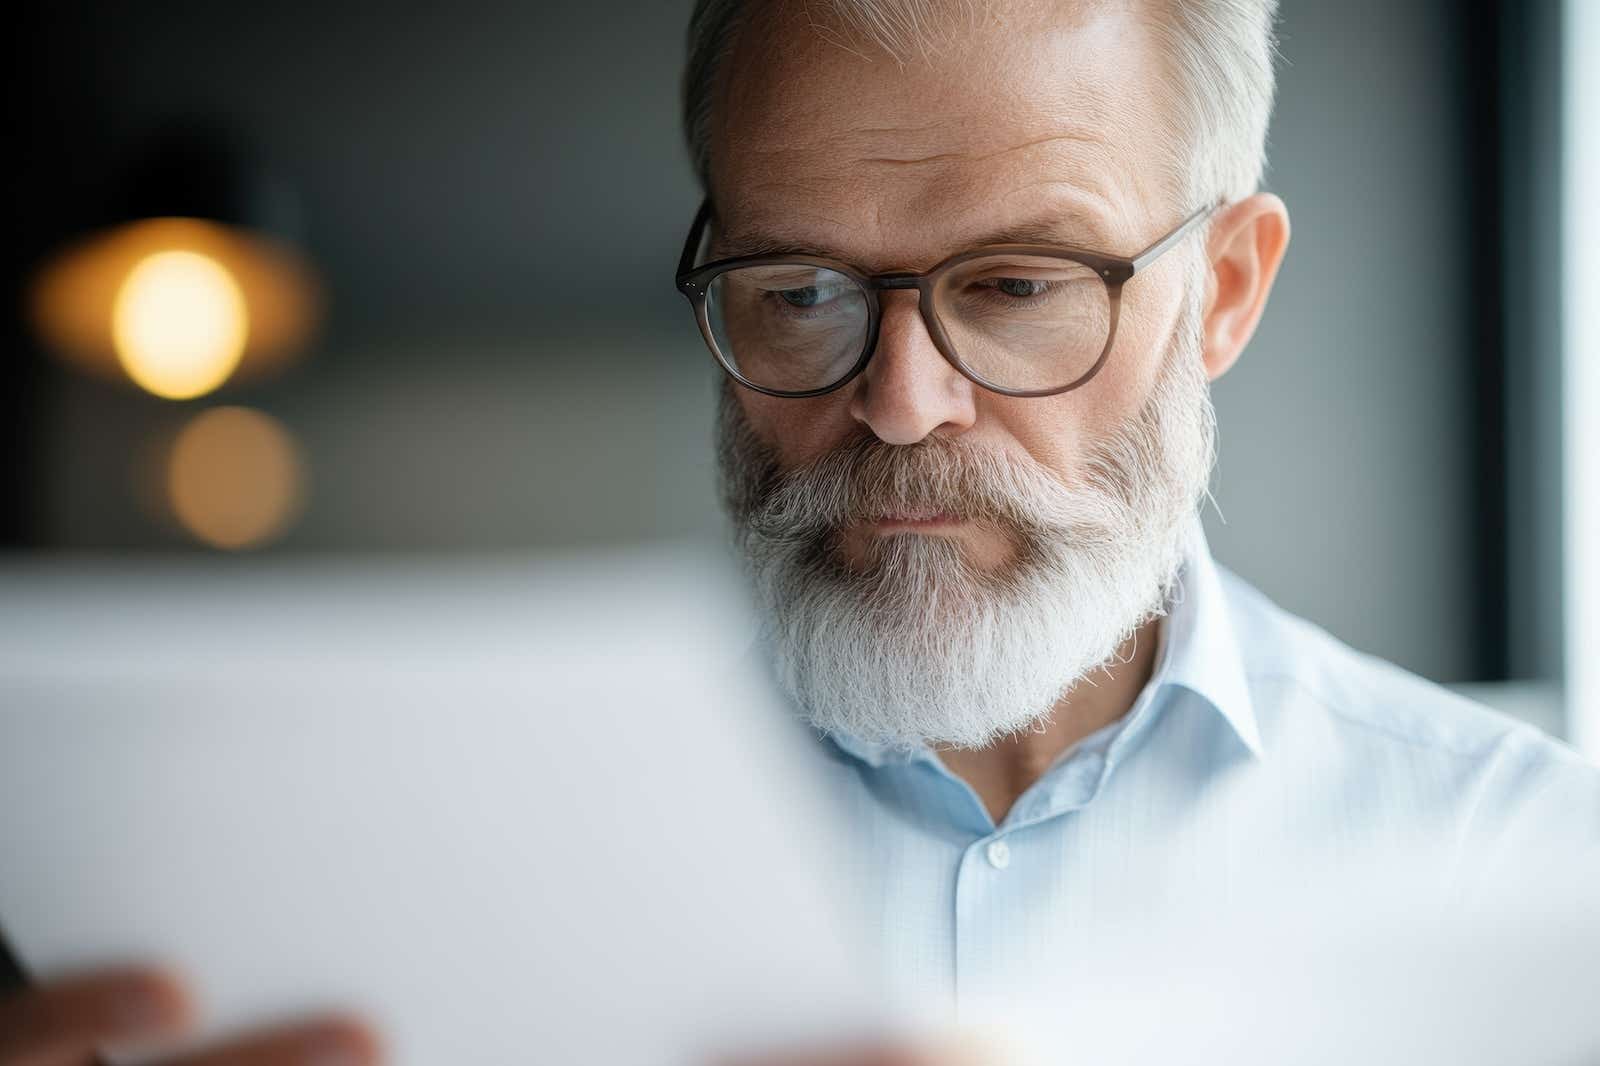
799,429
1058,430
1051,430
1152,304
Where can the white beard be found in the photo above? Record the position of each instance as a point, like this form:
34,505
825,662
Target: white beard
918,647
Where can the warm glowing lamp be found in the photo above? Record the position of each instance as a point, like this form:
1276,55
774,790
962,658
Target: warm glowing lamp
179,323
186,292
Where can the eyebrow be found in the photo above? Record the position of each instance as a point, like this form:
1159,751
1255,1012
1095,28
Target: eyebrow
1072,229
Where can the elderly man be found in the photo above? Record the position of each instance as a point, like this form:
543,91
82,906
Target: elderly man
970,268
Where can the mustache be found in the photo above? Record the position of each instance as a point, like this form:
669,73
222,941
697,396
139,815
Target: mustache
864,479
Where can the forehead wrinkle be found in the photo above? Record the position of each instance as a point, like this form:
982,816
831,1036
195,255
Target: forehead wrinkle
1062,223
775,122
1083,116
979,157
831,159
900,129
1067,191
772,70
1076,172
913,163
773,210
809,199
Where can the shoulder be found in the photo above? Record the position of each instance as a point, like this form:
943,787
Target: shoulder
1320,699
1286,655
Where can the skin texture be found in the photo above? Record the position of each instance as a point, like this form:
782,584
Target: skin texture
1053,119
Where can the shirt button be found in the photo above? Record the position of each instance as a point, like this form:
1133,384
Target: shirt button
999,854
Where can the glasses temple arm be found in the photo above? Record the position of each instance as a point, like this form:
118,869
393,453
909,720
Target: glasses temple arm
1144,258
691,243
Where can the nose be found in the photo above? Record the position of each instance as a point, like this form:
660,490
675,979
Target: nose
908,389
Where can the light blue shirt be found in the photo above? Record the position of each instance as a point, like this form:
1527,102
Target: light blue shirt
1261,751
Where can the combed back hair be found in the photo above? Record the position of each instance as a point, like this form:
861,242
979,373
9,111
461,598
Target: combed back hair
1219,54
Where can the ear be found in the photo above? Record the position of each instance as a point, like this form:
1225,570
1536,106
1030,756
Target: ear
1245,248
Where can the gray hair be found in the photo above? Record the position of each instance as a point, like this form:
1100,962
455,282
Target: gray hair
1220,53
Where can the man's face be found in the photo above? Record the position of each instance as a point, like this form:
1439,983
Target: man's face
1054,121
936,562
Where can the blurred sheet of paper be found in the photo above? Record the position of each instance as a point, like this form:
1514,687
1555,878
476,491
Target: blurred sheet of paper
516,811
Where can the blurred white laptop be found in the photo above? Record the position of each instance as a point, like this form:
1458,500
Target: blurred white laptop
514,811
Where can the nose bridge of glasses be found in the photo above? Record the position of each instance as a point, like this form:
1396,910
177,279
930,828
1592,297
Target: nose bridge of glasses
896,280
906,279
896,338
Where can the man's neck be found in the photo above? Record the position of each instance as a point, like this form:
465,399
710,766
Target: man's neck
1003,771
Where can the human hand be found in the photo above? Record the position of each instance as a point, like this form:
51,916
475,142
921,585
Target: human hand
65,1022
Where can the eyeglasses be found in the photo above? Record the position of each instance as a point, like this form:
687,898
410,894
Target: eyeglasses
1018,319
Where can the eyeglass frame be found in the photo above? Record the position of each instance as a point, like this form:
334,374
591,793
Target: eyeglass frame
1113,270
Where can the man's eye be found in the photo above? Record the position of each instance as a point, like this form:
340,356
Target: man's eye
809,296
1022,288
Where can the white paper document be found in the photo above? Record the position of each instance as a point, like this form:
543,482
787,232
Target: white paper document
512,812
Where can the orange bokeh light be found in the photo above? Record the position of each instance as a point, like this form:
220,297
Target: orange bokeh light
235,478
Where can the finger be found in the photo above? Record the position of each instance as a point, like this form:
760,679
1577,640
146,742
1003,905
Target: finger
70,1017
330,1041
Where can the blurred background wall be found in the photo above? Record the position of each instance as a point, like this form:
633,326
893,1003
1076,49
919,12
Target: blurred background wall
494,195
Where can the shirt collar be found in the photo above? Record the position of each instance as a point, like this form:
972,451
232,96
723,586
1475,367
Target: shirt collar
1199,653
1202,649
